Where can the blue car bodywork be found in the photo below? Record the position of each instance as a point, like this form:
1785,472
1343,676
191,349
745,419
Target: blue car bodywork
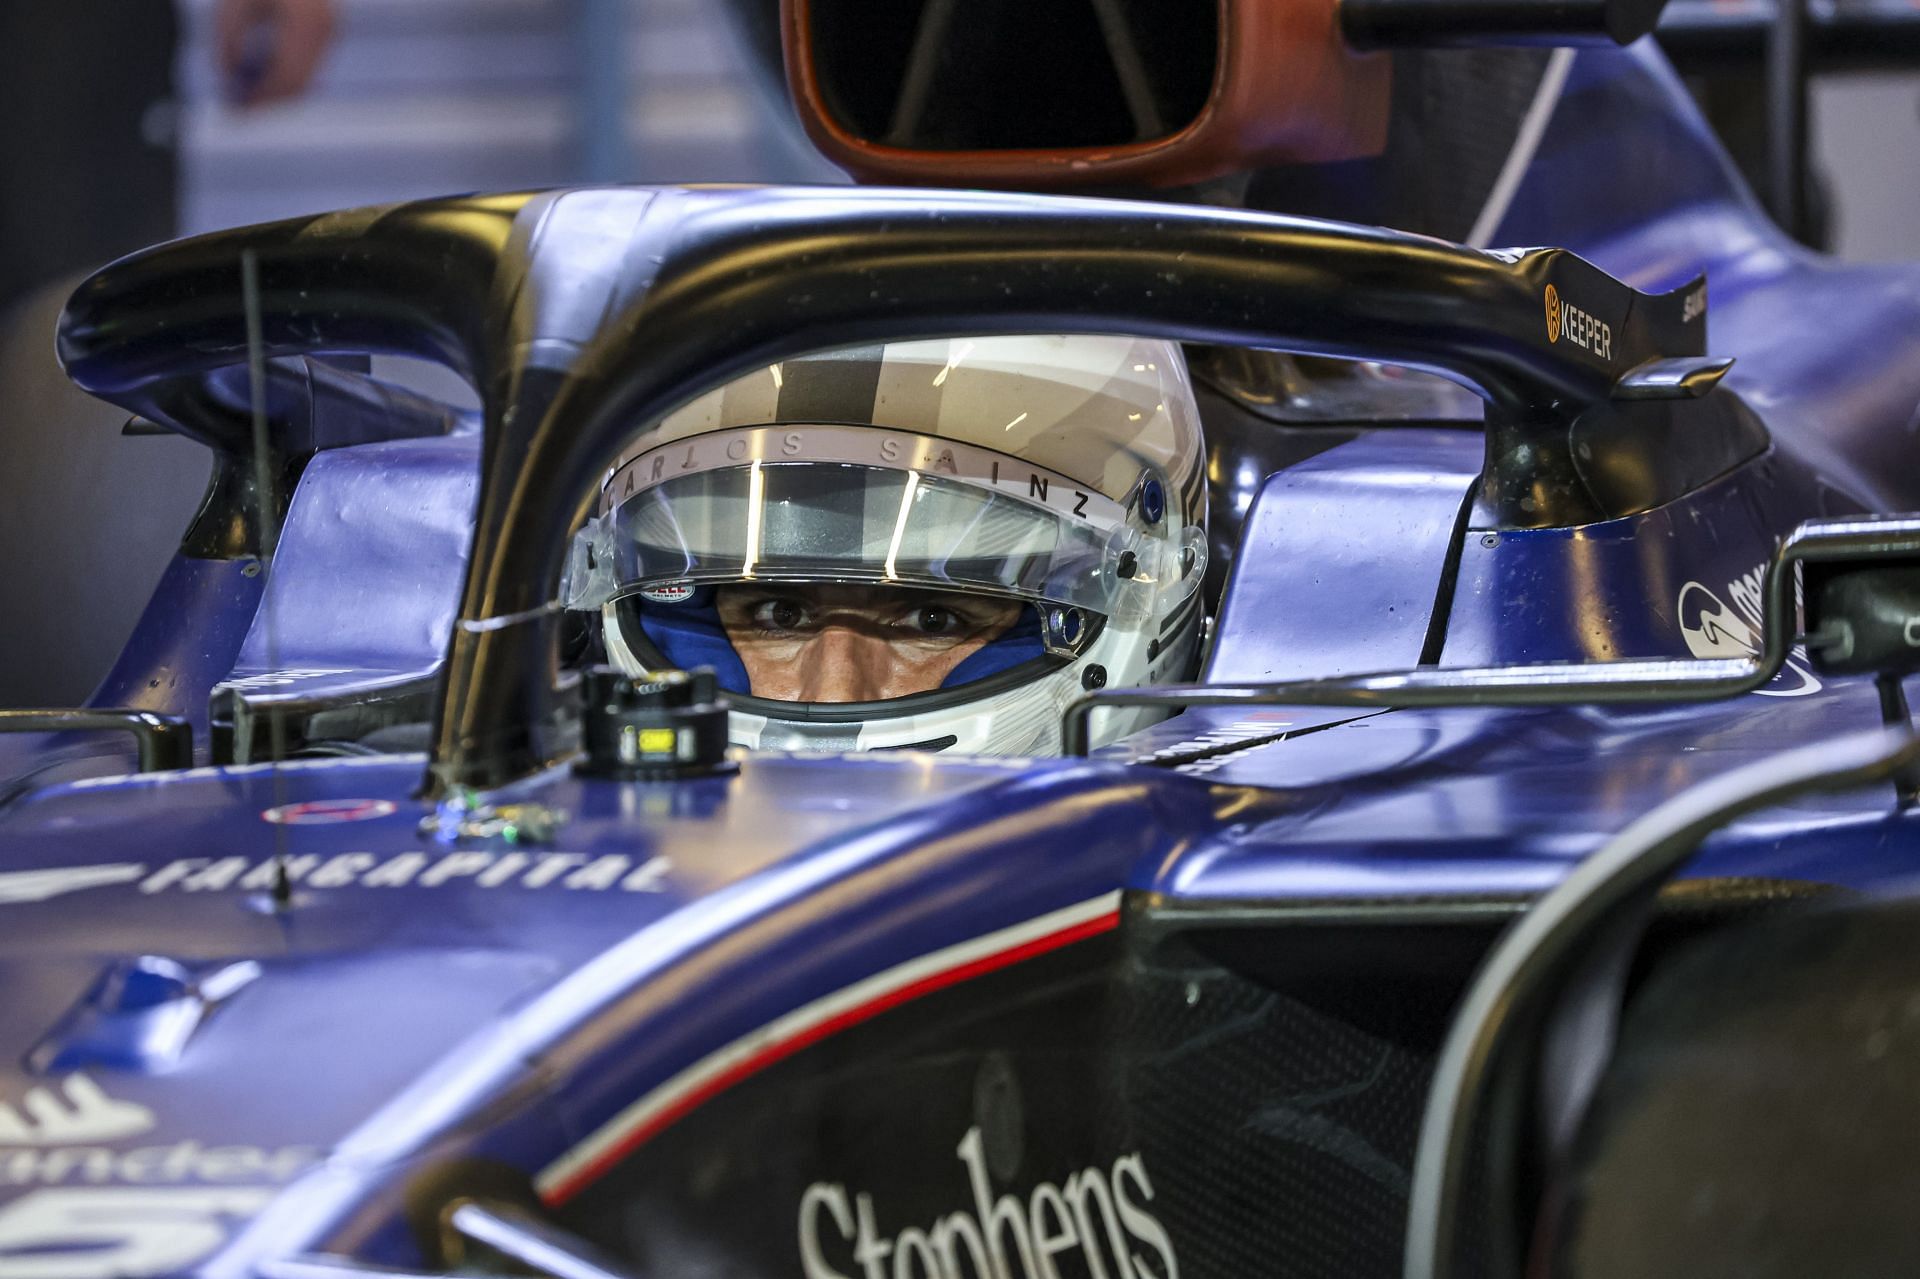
1169,1010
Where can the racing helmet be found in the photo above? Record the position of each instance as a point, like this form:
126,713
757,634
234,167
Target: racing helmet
1057,480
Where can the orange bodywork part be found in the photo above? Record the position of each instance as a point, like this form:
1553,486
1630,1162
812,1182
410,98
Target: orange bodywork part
1286,90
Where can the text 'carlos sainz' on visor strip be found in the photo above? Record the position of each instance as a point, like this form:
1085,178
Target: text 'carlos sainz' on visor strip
864,504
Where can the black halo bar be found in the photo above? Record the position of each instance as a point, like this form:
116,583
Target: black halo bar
1551,683
581,316
165,742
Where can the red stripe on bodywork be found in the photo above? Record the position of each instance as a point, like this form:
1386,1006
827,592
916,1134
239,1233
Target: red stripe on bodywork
783,1048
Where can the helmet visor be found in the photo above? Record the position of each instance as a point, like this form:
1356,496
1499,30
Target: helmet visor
845,522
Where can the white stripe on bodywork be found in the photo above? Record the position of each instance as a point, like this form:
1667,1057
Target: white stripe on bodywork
641,1112
39,885
1533,126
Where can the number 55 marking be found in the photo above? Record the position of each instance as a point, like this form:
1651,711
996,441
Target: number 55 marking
111,1233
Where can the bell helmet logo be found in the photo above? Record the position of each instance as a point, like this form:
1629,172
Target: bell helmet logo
668,593
1553,314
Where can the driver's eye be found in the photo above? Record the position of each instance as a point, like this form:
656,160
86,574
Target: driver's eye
779,614
931,619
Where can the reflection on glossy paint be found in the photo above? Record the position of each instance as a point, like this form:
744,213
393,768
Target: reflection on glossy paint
953,362
900,522
486,220
1588,599
756,494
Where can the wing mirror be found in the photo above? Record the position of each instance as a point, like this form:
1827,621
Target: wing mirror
1863,618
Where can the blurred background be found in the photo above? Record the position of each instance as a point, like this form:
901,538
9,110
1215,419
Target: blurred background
424,97
140,126
134,119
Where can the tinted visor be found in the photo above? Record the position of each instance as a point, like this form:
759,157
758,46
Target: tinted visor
844,522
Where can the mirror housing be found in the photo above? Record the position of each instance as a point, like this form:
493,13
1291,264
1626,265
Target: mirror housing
1128,93
1863,619
1121,95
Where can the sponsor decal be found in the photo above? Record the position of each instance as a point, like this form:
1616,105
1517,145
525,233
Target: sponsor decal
329,812
40,885
576,871
668,593
1247,733
75,1111
97,1212
579,872
60,1133
1713,628
119,1233
280,679
174,1163
1098,1214
1584,330
862,446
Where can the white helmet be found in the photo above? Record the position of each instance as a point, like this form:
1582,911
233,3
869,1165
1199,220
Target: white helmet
1064,473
